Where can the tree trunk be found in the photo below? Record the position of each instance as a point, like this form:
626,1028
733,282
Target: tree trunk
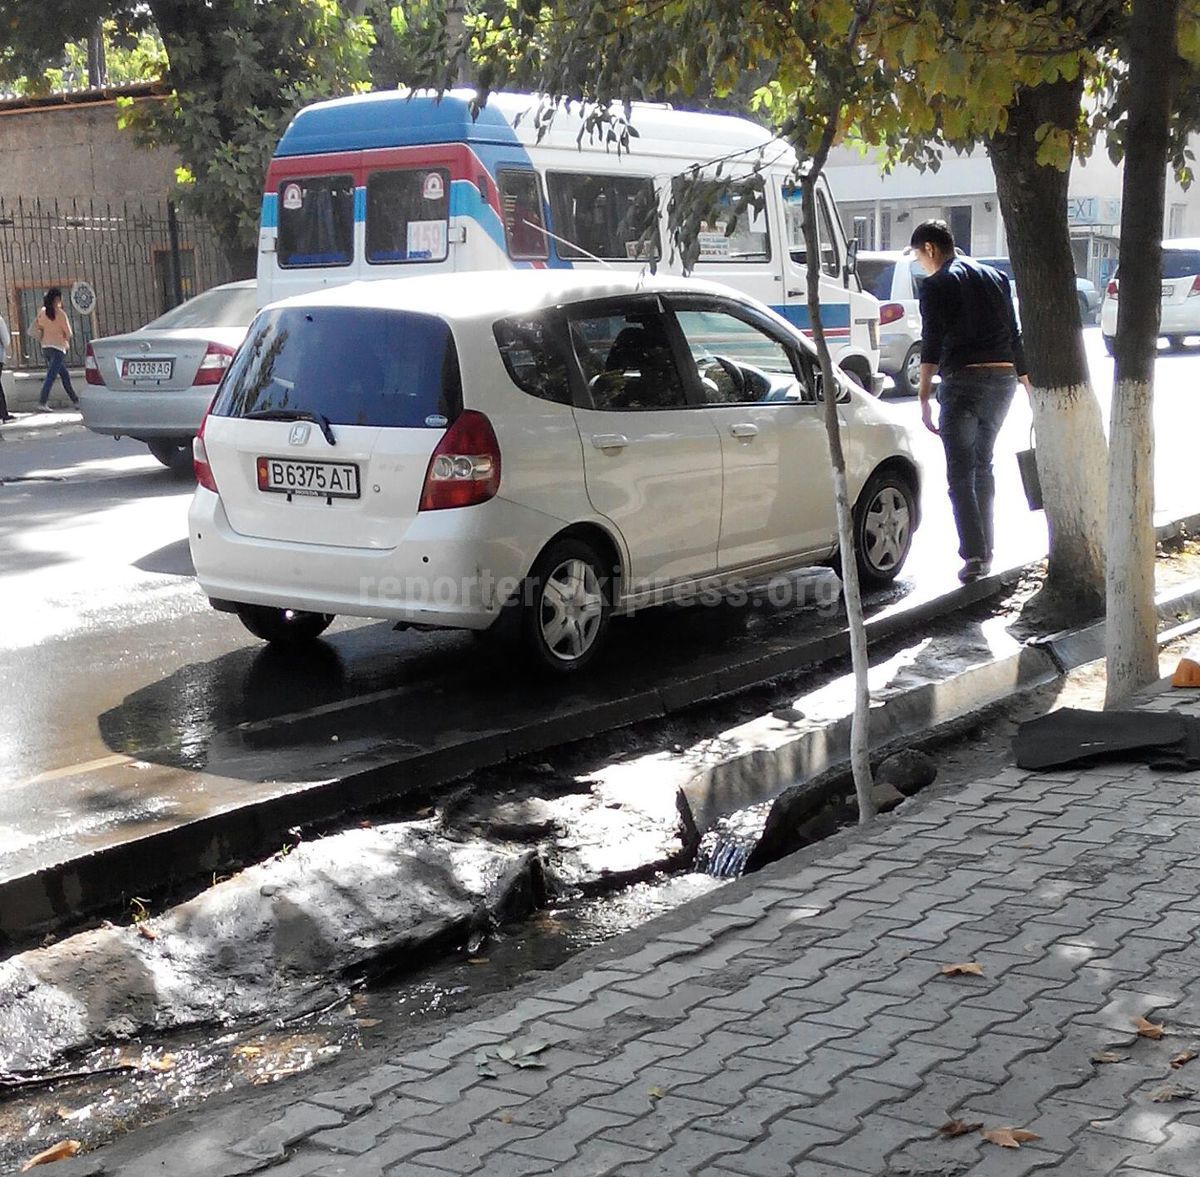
1067,420
860,724
1132,648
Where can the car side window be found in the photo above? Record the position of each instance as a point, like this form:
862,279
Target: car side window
533,357
737,361
627,360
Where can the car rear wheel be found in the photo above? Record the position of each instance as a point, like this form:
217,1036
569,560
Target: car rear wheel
176,455
883,527
284,627
1110,345
910,371
566,606
1177,342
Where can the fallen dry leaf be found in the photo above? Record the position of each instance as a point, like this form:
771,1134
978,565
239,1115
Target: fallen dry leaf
56,1152
654,1094
165,1063
1170,1091
368,1023
1182,1059
1009,1137
1107,1056
477,960
952,1128
966,968
247,1051
1147,1029
147,932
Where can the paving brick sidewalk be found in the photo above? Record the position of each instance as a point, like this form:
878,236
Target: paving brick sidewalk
799,1022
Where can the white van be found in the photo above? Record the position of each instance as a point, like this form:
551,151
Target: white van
388,184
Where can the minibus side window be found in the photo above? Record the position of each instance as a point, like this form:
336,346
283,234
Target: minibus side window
521,203
609,217
750,240
316,221
407,215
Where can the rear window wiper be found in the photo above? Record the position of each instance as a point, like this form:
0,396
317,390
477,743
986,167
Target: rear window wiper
319,419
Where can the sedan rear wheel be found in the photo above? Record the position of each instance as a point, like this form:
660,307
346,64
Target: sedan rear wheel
567,604
285,627
175,454
910,372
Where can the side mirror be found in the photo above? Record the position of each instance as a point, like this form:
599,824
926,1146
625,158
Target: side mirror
850,269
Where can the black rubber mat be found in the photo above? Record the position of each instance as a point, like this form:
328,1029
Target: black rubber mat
1071,736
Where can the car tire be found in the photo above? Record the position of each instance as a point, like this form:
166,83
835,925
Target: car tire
883,527
1110,345
1177,342
908,379
565,606
175,455
284,627
860,378
1085,315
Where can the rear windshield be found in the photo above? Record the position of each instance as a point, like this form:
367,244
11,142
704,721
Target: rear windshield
352,365
214,308
875,274
1180,263
316,222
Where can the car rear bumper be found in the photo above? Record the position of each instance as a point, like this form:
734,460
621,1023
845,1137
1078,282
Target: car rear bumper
143,414
893,347
1175,318
452,568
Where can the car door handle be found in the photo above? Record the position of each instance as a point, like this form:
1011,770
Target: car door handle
795,294
609,441
745,430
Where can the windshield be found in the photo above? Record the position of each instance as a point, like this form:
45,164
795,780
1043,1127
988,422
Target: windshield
1180,263
223,306
875,274
352,365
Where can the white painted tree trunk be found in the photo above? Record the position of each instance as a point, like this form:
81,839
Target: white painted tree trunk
1130,631
1071,455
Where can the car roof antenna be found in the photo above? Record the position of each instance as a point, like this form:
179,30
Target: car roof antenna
563,241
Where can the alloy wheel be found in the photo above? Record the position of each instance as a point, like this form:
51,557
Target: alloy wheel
572,609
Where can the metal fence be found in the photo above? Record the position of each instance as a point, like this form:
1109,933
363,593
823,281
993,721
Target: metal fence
139,259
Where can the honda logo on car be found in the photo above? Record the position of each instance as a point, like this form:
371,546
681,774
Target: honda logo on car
299,433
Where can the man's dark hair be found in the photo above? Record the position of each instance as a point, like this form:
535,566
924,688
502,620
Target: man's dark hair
936,233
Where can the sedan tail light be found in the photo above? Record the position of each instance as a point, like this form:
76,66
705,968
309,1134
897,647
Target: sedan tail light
465,467
91,369
890,312
1111,288
1195,290
200,464
217,358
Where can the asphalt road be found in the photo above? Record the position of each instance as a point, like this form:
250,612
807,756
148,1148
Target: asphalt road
127,703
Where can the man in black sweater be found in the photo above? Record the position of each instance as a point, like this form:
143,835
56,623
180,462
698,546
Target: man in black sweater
969,332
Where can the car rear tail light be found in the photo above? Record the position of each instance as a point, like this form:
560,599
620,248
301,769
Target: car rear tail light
217,358
465,467
890,312
91,369
1111,288
1195,290
200,464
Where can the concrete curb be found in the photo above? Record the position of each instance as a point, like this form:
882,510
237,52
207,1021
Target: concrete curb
785,775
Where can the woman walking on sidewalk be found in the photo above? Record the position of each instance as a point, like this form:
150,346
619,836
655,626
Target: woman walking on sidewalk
53,330
5,344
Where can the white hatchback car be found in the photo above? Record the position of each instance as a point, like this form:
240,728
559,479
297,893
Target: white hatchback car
1179,317
895,278
531,451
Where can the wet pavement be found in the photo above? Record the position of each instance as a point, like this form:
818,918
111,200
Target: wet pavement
130,708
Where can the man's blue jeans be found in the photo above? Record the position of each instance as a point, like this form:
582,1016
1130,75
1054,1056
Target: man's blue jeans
974,403
56,366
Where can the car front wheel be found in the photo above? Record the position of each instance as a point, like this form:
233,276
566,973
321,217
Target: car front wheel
1110,345
284,627
566,606
883,528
